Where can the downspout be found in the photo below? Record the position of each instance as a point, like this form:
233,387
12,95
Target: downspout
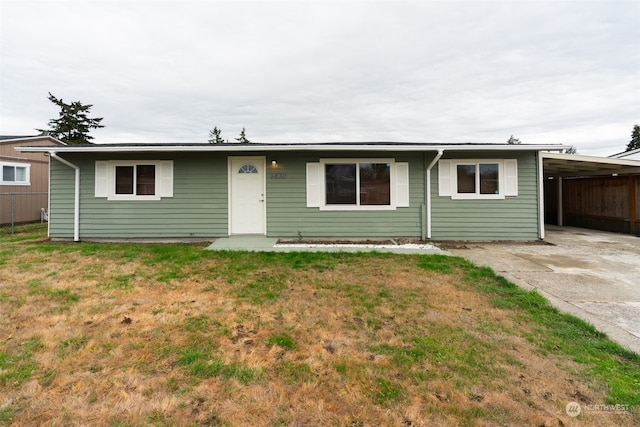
541,195
431,165
76,201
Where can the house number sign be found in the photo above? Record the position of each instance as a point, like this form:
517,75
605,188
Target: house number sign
279,175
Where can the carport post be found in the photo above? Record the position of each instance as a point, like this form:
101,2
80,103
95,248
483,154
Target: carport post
631,186
560,212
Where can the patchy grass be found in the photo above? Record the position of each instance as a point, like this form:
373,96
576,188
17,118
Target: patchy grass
128,334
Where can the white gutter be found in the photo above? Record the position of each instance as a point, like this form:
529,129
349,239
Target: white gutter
431,165
239,148
541,194
76,201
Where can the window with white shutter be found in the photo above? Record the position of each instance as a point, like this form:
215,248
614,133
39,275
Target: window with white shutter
357,184
134,180
478,178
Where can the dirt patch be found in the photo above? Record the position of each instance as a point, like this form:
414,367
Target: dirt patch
473,244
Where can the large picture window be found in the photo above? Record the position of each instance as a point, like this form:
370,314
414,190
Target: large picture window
14,174
357,184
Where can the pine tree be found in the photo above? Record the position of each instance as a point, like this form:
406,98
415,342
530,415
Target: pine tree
513,140
73,123
243,138
635,139
215,136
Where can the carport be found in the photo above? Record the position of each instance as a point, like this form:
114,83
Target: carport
600,193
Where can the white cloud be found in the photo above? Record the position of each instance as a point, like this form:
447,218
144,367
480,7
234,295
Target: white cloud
329,71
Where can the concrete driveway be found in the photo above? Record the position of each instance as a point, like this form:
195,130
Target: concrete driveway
591,274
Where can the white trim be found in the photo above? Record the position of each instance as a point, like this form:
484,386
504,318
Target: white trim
26,166
402,185
32,138
252,147
477,195
541,195
313,185
594,159
510,177
49,198
358,207
263,165
632,154
164,177
435,161
101,182
444,177
76,195
106,188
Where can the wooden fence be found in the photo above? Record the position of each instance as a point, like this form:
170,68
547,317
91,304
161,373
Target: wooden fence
609,203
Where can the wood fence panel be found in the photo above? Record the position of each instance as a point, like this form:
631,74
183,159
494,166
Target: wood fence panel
609,203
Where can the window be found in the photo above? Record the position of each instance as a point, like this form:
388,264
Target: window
349,184
127,180
248,168
478,179
139,180
357,184
15,174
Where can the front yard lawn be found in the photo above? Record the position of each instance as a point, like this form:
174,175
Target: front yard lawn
165,335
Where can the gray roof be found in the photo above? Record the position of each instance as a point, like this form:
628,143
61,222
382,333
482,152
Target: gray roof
328,146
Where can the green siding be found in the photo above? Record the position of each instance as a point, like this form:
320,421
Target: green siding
62,181
199,208
288,215
514,218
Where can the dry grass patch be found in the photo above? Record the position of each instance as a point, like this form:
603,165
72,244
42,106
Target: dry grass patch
173,335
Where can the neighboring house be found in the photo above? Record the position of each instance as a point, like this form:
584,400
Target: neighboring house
348,190
24,178
628,155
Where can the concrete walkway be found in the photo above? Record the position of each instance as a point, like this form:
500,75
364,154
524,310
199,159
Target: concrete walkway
269,244
591,274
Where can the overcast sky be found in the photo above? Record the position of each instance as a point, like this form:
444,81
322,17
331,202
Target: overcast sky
311,71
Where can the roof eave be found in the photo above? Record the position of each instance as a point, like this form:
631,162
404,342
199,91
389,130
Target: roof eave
34,138
289,147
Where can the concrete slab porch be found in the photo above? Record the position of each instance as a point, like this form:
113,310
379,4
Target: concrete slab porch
257,243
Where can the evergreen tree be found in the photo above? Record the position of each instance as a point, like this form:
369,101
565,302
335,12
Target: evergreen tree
243,138
635,139
73,123
215,136
513,140
571,150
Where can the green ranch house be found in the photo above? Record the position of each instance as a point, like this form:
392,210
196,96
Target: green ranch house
322,190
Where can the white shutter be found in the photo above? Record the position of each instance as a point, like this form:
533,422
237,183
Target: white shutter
510,177
313,185
102,179
165,181
444,178
402,185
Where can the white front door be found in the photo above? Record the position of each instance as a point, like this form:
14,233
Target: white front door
247,195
